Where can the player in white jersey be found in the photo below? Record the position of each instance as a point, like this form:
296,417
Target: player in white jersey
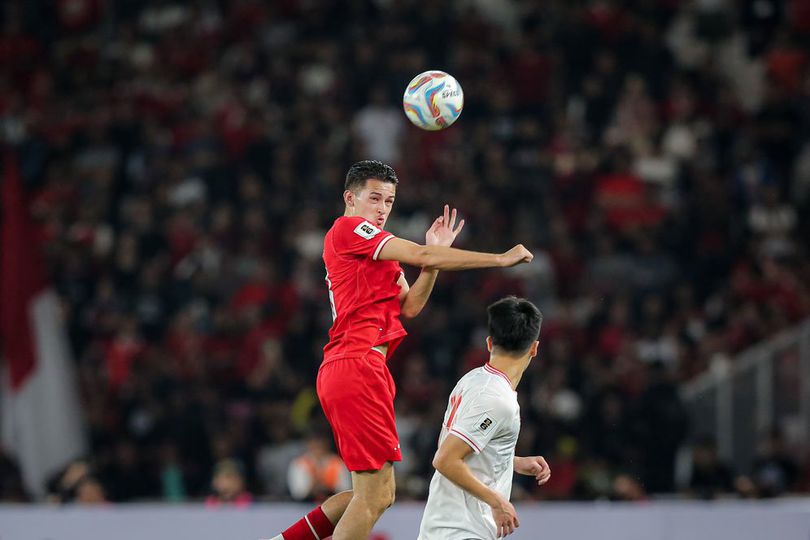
475,462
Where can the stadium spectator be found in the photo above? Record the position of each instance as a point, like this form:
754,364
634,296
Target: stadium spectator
317,473
709,477
775,470
228,486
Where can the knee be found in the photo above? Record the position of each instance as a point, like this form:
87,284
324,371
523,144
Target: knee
382,500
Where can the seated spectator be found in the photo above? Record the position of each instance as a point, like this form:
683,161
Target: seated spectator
318,473
709,477
77,484
775,470
89,491
627,488
228,486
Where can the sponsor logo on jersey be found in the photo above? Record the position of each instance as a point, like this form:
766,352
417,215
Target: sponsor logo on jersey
366,230
485,424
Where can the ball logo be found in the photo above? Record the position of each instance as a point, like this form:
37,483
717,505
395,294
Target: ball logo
450,93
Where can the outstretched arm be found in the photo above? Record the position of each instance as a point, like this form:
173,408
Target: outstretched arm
447,258
442,233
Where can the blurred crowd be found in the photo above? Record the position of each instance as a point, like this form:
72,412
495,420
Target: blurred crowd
188,157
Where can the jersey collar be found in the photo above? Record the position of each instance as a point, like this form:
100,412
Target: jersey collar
495,371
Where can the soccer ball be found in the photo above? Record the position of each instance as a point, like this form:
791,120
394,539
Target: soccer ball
433,100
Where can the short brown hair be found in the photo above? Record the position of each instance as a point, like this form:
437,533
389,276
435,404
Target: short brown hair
367,169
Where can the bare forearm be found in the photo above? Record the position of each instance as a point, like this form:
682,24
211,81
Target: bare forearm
447,258
460,474
419,293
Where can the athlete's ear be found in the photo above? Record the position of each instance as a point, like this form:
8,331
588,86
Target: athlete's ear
533,349
489,343
348,198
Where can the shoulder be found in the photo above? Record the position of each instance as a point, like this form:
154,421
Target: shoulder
356,225
481,388
492,395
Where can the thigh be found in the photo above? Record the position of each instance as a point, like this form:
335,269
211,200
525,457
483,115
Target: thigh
374,484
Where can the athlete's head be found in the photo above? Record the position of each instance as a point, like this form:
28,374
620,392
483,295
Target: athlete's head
514,327
371,187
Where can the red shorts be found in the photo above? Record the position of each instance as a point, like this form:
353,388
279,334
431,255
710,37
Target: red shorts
357,396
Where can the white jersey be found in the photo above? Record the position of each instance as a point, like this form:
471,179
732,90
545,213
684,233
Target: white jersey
483,412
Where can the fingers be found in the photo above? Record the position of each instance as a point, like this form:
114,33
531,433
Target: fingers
449,219
543,477
460,226
437,224
509,526
544,474
540,466
506,528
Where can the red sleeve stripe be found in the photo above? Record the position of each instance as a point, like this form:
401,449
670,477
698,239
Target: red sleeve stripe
466,439
380,246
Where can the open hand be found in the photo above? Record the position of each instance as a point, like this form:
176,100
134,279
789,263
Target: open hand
444,231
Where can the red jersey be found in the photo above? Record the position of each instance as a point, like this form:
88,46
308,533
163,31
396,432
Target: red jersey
363,290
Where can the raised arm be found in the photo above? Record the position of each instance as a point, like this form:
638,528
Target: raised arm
442,232
447,258
437,255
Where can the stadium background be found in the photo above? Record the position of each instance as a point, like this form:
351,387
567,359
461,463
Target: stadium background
182,162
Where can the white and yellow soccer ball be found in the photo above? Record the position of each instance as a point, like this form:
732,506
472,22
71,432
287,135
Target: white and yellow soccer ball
433,100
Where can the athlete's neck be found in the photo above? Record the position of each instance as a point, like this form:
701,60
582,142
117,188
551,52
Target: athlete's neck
512,366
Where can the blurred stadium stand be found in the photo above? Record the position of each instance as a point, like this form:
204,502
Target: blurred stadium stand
184,160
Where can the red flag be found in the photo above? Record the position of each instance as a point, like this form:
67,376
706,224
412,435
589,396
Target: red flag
21,276
42,424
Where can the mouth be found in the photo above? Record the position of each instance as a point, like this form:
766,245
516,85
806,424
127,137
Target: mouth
380,221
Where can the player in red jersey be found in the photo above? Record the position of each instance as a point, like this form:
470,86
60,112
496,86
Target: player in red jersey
368,293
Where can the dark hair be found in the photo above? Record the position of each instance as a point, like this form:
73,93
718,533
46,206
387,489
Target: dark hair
366,169
514,324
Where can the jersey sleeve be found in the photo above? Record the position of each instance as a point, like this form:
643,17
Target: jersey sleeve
478,419
357,236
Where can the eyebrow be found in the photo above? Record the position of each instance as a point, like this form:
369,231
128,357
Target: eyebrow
380,194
